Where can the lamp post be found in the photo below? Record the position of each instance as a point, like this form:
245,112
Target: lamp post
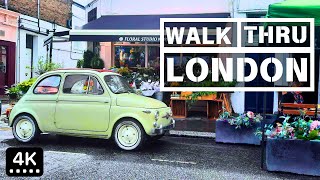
51,43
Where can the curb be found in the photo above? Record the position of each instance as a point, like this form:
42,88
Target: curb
194,134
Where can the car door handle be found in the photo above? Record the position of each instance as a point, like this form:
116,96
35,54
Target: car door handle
105,102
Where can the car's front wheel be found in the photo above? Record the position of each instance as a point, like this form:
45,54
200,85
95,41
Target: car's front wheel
129,134
25,129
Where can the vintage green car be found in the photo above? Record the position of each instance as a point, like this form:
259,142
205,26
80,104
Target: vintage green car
89,103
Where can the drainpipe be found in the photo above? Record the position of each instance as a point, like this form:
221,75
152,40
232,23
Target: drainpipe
6,4
38,6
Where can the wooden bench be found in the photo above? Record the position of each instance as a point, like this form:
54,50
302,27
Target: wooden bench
179,107
294,109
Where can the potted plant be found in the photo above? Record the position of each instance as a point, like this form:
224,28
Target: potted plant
25,85
238,129
293,147
13,93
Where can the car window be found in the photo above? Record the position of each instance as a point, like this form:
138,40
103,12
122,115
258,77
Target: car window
117,84
94,86
82,84
48,85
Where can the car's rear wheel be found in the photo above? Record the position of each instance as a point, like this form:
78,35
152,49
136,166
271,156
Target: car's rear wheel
25,129
129,135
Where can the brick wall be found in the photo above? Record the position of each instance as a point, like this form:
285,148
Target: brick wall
50,10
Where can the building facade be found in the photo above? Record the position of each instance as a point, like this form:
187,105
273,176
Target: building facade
8,40
252,101
36,22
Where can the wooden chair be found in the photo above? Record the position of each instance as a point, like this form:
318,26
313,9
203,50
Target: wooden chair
294,109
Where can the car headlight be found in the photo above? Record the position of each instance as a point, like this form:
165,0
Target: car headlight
156,115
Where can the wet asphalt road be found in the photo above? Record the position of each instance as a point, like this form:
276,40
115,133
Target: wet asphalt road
168,158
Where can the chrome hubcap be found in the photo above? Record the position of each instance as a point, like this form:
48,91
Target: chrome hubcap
128,135
24,129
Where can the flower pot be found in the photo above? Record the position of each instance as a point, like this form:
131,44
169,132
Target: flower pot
209,97
225,133
294,156
13,97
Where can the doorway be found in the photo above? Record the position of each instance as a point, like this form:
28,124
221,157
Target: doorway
7,65
254,100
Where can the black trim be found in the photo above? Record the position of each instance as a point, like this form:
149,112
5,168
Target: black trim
61,33
45,78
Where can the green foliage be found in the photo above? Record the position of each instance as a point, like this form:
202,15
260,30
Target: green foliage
20,89
97,62
243,120
299,129
87,57
209,83
25,85
192,98
46,66
80,63
12,91
313,135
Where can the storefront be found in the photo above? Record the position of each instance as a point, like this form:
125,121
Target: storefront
8,38
130,40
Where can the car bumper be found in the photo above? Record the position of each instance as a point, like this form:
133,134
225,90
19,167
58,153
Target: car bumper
161,130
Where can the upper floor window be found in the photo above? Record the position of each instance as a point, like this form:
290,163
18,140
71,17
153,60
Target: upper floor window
48,85
92,15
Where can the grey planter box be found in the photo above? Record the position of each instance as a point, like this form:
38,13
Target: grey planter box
225,133
295,156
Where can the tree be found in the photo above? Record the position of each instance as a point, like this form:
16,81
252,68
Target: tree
97,62
87,57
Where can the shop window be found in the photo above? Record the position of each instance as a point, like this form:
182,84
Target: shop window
154,57
49,85
130,56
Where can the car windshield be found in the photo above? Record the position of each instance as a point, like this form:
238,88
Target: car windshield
118,84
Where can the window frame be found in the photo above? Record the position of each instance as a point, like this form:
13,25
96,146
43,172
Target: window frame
90,75
46,78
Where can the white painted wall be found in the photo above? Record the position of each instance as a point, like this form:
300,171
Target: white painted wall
128,7
61,51
64,53
78,20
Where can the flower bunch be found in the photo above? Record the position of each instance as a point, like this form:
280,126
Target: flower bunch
299,129
247,119
281,131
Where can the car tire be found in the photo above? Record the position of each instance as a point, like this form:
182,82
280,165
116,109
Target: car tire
129,135
25,129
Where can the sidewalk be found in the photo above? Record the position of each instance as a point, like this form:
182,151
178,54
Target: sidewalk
194,127
200,127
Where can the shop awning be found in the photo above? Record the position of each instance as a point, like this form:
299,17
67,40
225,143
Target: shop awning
143,28
296,9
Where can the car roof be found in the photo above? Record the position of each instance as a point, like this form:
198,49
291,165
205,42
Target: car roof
84,70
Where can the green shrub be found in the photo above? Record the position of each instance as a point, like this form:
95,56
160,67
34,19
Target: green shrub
80,63
45,66
87,58
97,62
25,85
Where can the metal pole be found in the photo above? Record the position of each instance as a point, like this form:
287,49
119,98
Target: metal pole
38,7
